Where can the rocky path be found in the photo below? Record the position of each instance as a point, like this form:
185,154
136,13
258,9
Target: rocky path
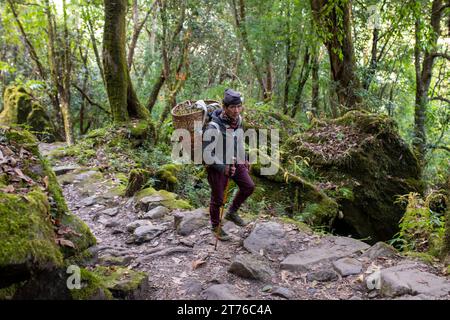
268,259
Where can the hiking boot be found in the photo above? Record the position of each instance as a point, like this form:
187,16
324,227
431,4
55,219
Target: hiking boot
220,234
234,217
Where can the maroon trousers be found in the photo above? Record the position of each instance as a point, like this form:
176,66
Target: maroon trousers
218,181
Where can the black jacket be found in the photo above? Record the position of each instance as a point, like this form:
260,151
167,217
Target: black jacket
220,125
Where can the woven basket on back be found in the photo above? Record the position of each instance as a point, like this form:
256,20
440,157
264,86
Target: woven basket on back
187,121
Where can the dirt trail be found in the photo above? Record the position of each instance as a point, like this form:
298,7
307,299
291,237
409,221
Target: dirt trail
271,259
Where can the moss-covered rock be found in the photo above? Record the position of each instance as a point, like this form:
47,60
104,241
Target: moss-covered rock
264,117
302,199
20,109
169,199
92,287
136,180
9,292
122,282
27,239
37,231
167,176
141,131
355,166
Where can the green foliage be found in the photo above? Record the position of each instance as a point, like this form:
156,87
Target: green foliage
421,229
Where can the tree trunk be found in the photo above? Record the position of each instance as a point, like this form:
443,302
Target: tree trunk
303,78
60,69
114,60
268,92
335,21
87,18
239,16
155,90
84,88
137,28
373,60
134,107
424,71
175,84
67,72
167,52
288,72
315,86
27,42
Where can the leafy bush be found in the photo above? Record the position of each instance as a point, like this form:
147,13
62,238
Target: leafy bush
421,228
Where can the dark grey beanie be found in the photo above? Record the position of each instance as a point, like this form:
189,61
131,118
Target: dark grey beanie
231,97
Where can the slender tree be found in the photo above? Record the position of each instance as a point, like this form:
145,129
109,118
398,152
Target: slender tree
333,20
121,95
424,62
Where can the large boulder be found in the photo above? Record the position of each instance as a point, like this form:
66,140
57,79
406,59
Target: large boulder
20,108
251,267
37,231
267,237
362,164
408,279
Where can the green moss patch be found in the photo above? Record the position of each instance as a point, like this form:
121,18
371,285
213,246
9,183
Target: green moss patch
169,201
92,287
26,234
122,282
21,109
353,168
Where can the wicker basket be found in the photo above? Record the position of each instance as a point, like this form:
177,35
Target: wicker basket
187,121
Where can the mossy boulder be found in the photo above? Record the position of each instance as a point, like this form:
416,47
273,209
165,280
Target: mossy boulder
361,163
136,181
123,283
141,131
27,239
169,199
300,199
167,176
92,287
37,231
21,109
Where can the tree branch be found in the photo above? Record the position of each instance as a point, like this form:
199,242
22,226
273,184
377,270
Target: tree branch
27,42
440,98
441,54
84,94
441,147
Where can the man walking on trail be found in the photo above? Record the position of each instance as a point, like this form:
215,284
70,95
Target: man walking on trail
224,124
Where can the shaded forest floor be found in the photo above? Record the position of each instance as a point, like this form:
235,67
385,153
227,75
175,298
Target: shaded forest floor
267,259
